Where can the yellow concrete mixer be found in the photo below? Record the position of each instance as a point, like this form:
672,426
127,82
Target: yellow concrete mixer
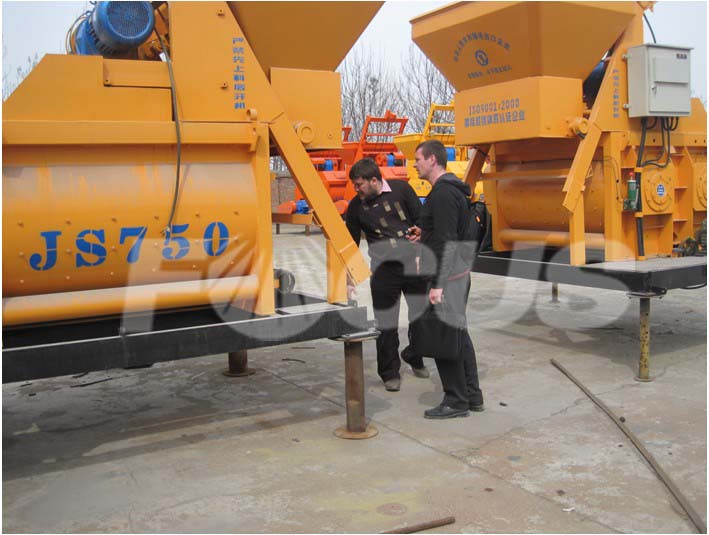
597,154
92,206
136,180
575,161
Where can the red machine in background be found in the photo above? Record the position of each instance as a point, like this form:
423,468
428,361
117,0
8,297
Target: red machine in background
376,142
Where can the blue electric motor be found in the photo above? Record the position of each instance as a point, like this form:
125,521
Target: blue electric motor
301,207
115,27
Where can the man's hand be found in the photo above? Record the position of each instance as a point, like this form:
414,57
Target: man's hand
413,234
435,296
351,292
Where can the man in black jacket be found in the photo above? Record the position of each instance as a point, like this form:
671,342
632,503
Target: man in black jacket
384,211
441,226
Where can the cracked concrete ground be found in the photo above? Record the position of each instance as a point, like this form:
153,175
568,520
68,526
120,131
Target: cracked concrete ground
180,448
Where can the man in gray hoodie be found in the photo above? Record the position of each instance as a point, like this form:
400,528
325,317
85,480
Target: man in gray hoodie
441,227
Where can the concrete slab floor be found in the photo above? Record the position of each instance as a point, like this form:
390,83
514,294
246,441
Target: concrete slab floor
181,448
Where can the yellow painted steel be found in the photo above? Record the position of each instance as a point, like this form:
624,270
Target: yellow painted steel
79,94
317,122
541,237
559,161
514,40
519,109
113,197
236,291
337,277
303,35
89,170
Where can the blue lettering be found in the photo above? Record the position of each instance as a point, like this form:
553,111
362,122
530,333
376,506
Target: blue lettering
183,245
96,249
50,242
222,241
133,232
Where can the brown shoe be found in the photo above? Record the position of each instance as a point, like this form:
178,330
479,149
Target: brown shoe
421,373
392,385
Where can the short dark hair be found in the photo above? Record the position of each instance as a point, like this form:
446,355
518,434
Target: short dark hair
365,168
435,147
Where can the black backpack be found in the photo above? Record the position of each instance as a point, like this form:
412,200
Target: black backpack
476,235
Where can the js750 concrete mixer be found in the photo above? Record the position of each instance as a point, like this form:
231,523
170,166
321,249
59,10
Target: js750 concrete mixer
597,171
136,184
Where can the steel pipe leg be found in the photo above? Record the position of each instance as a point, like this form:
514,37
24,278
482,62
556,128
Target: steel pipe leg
644,365
554,292
238,364
357,427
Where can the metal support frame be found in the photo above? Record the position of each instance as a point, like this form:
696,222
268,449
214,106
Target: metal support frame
644,280
39,351
50,350
554,292
238,364
356,427
552,265
644,360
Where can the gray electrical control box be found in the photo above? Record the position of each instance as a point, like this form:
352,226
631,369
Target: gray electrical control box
658,81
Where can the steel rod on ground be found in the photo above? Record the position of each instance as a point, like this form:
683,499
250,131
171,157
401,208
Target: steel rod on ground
424,525
693,515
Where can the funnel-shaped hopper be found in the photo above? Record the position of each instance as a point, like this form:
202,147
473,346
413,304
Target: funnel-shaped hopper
481,43
303,35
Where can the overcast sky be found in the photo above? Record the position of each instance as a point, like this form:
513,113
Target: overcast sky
40,27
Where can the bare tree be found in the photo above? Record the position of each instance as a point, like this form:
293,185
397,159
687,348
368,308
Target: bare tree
368,88
11,78
420,85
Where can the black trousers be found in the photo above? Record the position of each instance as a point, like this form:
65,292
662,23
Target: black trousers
459,377
388,282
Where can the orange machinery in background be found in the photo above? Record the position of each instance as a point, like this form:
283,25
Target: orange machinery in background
439,125
376,142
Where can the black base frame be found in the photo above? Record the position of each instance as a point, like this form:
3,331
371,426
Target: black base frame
38,351
652,276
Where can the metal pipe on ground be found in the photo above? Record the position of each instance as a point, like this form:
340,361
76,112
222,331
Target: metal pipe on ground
423,526
681,499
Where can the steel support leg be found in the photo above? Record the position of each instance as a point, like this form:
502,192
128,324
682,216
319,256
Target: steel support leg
238,365
554,292
644,366
357,427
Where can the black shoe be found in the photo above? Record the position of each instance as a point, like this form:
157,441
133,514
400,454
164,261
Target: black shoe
443,411
476,407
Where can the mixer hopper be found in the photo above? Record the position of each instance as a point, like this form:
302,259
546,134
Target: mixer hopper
480,43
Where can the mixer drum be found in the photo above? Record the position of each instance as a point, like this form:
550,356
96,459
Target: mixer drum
89,226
